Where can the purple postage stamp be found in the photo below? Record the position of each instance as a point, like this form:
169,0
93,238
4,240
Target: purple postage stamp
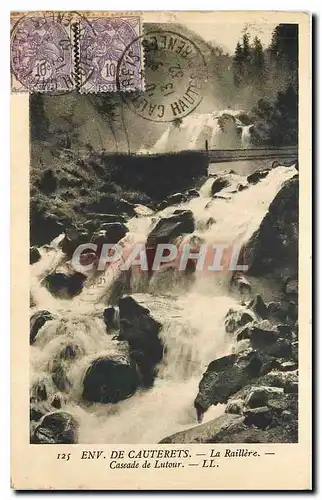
101,45
42,53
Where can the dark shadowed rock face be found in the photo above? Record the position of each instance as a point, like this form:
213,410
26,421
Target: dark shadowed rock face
38,320
274,247
171,227
141,331
56,428
257,176
110,379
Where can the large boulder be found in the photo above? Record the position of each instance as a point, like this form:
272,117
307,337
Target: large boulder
224,377
110,233
110,378
64,285
38,320
59,427
141,331
171,227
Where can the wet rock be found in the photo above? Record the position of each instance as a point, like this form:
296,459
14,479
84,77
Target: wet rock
111,318
175,199
143,210
98,220
171,227
110,379
44,227
263,334
63,285
260,417
255,177
274,246
242,344
34,255
109,204
236,318
114,232
281,349
59,427
203,433
287,366
258,306
141,331
291,386
225,376
235,407
240,282
276,422
59,375
38,320
219,184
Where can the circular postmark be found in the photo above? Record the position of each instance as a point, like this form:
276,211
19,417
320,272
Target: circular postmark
174,75
42,52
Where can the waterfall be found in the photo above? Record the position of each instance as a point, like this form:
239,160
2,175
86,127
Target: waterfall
192,332
219,129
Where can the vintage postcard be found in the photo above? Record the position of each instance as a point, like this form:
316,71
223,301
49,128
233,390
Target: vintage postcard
161,250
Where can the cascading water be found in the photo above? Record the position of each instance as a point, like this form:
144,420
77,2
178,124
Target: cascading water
192,332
